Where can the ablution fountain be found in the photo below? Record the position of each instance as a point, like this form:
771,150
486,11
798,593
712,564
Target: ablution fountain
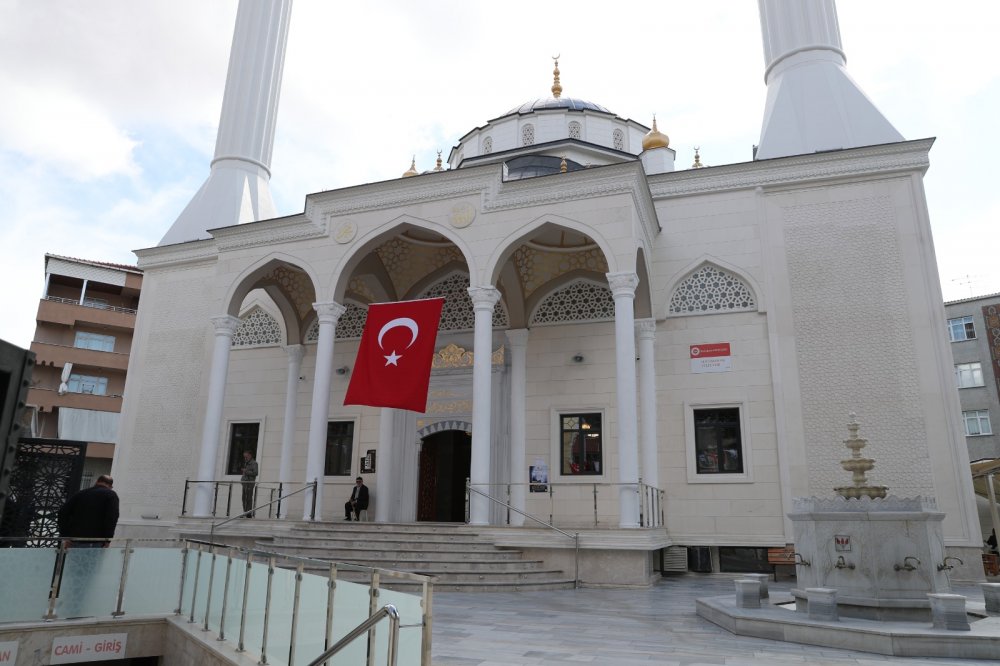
871,574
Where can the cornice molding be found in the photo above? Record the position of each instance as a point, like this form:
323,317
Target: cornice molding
176,255
799,169
267,232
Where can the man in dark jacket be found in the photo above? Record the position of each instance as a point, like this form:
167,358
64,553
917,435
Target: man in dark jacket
91,513
358,501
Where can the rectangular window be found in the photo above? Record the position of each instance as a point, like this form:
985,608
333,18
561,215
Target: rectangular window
977,423
87,384
969,375
580,443
94,341
961,328
717,441
242,437
339,445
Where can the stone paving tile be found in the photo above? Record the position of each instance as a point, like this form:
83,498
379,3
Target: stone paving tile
605,627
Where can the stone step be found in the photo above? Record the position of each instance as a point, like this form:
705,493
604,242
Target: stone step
351,526
444,576
383,542
486,586
364,552
448,566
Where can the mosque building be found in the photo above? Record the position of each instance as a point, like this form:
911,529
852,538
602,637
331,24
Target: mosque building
657,353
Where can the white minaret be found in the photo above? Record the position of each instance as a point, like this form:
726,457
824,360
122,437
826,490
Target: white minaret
237,188
812,102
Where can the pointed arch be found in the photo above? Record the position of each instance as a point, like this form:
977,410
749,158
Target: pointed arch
576,299
441,426
249,279
643,293
713,297
262,322
458,313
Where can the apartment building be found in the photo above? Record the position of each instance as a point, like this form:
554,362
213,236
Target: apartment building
82,341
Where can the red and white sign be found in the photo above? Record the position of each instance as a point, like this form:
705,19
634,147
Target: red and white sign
8,652
711,357
101,647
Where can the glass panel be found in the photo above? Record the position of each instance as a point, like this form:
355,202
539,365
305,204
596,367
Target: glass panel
411,612
312,618
25,582
89,585
256,596
350,608
234,599
146,565
279,627
214,573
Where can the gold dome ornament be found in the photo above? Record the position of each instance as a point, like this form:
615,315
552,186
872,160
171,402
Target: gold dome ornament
697,160
438,167
655,138
563,167
556,86
412,171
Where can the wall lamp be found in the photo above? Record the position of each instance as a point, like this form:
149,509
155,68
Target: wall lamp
578,358
343,370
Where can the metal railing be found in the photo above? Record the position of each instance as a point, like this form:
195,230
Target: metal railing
651,500
575,537
85,304
273,490
388,611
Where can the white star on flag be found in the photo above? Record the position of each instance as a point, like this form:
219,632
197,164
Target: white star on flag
392,358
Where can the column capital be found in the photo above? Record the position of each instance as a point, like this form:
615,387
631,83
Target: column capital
225,325
517,337
646,329
623,284
295,353
484,298
329,312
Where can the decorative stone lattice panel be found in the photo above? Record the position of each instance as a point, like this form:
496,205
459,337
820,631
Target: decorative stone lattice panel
537,267
359,286
574,130
528,135
407,263
487,145
257,329
711,289
457,313
296,286
581,300
618,137
350,324
854,343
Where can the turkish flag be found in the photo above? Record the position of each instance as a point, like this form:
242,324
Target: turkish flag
393,367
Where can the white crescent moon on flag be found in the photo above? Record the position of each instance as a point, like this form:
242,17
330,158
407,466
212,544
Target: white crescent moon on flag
400,321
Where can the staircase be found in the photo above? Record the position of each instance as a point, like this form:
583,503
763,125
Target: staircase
454,554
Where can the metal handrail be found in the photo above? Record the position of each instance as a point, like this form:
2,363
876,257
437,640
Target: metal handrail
575,537
96,306
386,611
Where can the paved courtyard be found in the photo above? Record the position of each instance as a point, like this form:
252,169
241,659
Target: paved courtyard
621,628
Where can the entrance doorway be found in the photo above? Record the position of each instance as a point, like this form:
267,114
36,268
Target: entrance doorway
444,467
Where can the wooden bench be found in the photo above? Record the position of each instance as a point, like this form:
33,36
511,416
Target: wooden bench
782,555
991,564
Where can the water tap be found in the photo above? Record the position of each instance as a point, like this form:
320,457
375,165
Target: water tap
841,564
944,566
906,566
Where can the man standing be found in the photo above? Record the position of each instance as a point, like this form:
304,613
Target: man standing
358,501
249,480
91,513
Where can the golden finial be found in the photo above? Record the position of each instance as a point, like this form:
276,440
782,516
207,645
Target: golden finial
655,138
412,171
556,86
563,167
697,159
438,167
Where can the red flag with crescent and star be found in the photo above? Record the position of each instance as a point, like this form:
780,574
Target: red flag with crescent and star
393,367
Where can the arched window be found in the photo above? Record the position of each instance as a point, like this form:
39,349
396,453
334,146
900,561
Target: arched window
581,300
487,145
618,137
257,328
528,135
711,289
350,324
574,130
457,313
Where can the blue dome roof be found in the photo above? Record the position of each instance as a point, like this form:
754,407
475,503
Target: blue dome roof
571,103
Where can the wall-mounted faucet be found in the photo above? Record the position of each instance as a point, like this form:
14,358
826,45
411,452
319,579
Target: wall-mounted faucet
841,564
801,560
906,566
944,566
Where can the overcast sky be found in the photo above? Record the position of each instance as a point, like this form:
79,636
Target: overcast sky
110,107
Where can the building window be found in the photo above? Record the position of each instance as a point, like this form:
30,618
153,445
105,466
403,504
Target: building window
94,341
718,443
242,437
961,329
969,375
487,145
87,384
977,423
339,444
709,290
618,137
580,443
257,328
574,130
528,135
95,302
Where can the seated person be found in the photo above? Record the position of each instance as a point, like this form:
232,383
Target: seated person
358,501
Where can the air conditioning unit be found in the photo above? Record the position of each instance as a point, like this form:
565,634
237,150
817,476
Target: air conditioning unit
674,559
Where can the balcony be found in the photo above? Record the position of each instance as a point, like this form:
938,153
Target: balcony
69,312
46,399
60,355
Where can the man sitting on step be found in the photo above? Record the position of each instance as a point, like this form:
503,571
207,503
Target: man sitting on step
358,501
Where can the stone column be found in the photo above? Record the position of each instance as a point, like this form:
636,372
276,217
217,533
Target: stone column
822,603
295,353
623,289
747,593
384,459
484,299
319,414
646,328
518,340
225,327
948,612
